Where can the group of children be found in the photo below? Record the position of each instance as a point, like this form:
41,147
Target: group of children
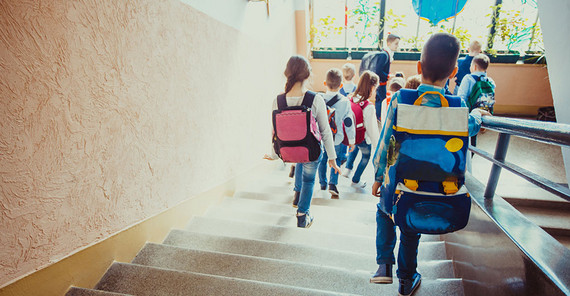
354,111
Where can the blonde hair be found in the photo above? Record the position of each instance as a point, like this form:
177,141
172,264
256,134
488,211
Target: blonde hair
475,46
348,71
367,80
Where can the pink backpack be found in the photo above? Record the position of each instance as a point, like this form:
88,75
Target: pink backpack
296,136
359,121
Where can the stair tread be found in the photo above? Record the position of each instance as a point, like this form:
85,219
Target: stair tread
284,272
327,223
320,197
550,218
77,291
290,251
145,280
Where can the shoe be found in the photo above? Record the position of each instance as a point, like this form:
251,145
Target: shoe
324,187
333,190
292,172
296,199
304,220
360,184
383,275
346,173
409,286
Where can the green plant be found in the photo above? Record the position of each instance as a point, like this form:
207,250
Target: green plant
511,28
324,28
364,18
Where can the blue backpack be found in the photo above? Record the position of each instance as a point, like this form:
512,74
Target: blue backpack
426,165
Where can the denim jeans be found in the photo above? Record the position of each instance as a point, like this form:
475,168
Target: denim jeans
386,241
341,154
365,149
323,166
305,174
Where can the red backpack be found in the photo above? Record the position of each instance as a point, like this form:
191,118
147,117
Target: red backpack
359,121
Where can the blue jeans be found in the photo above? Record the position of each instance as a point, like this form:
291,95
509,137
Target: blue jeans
341,154
305,174
324,165
386,241
365,149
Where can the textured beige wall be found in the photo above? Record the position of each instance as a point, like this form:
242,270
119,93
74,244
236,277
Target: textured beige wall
112,111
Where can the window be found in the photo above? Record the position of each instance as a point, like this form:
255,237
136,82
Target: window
517,26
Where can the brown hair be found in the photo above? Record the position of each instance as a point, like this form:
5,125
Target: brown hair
439,56
348,71
367,80
334,78
482,61
297,70
413,82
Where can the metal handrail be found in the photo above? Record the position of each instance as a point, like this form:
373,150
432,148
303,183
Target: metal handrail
546,132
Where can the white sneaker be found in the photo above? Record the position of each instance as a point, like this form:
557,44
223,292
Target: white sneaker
360,184
346,173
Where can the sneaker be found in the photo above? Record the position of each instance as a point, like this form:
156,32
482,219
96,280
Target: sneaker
360,184
333,190
296,199
383,275
346,173
292,172
409,286
324,187
304,220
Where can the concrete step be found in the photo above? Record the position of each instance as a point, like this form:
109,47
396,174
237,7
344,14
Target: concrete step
76,291
344,214
559,205
145,280
343,242
293,252
271,270
326,223
320,196
546,218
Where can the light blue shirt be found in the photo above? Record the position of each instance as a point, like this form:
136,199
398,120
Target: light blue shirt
468,82
429,100
343,116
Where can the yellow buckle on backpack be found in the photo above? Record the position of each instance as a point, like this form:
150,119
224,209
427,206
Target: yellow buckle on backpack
450,187
411,184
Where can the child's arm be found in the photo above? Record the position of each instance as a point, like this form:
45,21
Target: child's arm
383,66
320,108
348,121
465,87
381,153
371,124
475,119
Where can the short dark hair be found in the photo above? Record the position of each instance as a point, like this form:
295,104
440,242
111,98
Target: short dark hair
439,56
482,61
334,78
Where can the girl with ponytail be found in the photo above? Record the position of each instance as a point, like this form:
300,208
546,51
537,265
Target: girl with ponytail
297,73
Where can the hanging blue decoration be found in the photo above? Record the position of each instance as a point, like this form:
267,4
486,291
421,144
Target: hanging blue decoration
436,11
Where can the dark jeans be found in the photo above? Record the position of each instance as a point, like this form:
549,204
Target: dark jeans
386,241
366,150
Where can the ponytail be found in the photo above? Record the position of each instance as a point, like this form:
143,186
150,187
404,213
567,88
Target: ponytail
297,70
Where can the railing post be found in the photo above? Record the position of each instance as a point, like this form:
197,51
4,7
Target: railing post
500,154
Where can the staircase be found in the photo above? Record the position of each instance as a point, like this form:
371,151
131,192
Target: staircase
249,245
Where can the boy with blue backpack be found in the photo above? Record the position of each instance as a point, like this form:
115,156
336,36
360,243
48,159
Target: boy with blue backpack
342,126
420,164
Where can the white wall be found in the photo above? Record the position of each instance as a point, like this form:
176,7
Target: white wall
555,22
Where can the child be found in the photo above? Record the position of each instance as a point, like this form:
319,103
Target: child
413,82
348,87
365,91
348,72
437,64
343,117
478,69
297,72
395,85
464,64
379,63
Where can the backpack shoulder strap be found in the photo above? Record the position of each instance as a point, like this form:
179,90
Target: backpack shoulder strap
281,102
333,101
308,99
454,101
477,78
